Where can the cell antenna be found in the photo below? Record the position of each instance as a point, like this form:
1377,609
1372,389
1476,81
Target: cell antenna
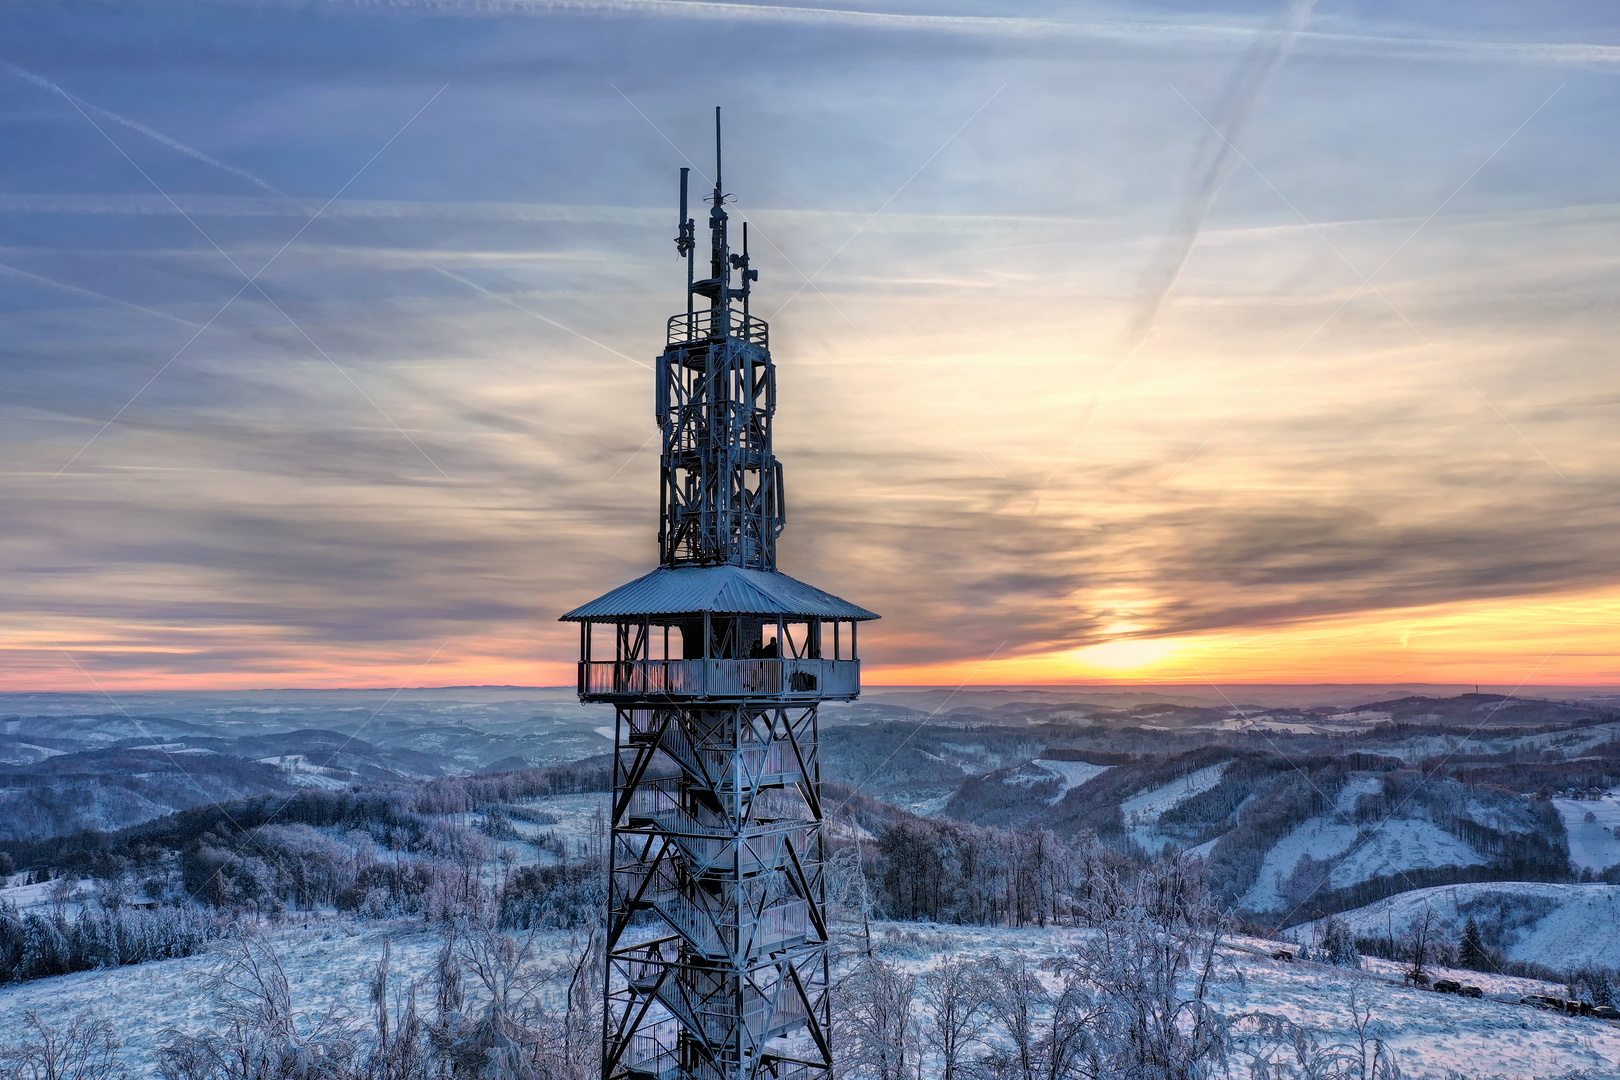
685,241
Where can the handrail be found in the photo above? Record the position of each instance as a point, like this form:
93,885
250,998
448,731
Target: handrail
694,326
676,679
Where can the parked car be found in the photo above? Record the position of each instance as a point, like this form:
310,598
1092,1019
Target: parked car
1283,954
1542,1001
1447,986
1471,991
1606,1012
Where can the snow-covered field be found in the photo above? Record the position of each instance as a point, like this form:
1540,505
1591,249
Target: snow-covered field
328,963
1593,845
1145,809
1567,743
1566,926
1071,773
1142,812
1403,844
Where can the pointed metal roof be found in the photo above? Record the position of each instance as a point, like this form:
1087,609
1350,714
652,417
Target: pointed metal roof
728,590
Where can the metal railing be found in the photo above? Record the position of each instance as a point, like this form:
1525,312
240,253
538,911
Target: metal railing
700,326
676,679
651,1058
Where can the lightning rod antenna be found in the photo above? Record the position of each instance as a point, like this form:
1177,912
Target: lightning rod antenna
718,196
684,242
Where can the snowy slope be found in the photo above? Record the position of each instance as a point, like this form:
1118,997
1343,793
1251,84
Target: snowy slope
1431,1034
1402,844
1566,926
1071,773
1146,808
1593,845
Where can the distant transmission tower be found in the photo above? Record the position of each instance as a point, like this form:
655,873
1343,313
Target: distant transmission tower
717,965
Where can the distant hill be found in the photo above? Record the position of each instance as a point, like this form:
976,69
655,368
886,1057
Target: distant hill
1299,815
1561,926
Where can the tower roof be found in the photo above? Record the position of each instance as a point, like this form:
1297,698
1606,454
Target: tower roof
727,590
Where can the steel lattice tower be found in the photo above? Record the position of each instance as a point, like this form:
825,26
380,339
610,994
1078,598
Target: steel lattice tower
717,965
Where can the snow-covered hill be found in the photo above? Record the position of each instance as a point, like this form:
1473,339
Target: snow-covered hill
1593,844
1433,1036
1560,926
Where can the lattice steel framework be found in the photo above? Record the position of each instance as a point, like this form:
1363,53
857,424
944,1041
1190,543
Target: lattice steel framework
717,965
720,486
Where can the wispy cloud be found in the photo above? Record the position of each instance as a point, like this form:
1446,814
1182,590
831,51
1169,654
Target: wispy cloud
1108,27
143,129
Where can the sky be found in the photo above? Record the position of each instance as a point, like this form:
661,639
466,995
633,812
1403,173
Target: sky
1169,342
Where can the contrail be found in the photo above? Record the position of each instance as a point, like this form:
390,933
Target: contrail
94,295
1213,162
136,125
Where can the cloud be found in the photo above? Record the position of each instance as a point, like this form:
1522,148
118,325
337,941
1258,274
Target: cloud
137,126
1108,28
77,291
1213,161
251,512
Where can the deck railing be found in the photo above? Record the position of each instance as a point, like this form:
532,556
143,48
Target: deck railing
681,679
700,326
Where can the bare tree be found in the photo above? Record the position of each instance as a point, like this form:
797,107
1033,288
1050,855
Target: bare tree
1017,1003
1275,1048
501,1014
956,996
85,1049
1149,966
1420,940
874,1027
261,1037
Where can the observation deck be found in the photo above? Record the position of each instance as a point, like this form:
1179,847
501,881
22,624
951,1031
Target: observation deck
719,680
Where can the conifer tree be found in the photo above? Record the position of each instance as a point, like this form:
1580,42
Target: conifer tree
1471,950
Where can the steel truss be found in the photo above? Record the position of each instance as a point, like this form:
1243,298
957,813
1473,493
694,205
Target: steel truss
721,488
717,941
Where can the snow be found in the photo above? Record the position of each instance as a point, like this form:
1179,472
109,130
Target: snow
1142,812
1592,845
1071,773
1402,844
1582,927
39,893
328,963
1146,808
297,771
1433,1036
580,818
1355,789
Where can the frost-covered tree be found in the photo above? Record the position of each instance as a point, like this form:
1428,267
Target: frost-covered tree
1149,968
873,1025
1336,944
956,998
1471,952
84,1048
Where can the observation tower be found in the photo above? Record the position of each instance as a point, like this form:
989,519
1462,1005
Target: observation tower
716,664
